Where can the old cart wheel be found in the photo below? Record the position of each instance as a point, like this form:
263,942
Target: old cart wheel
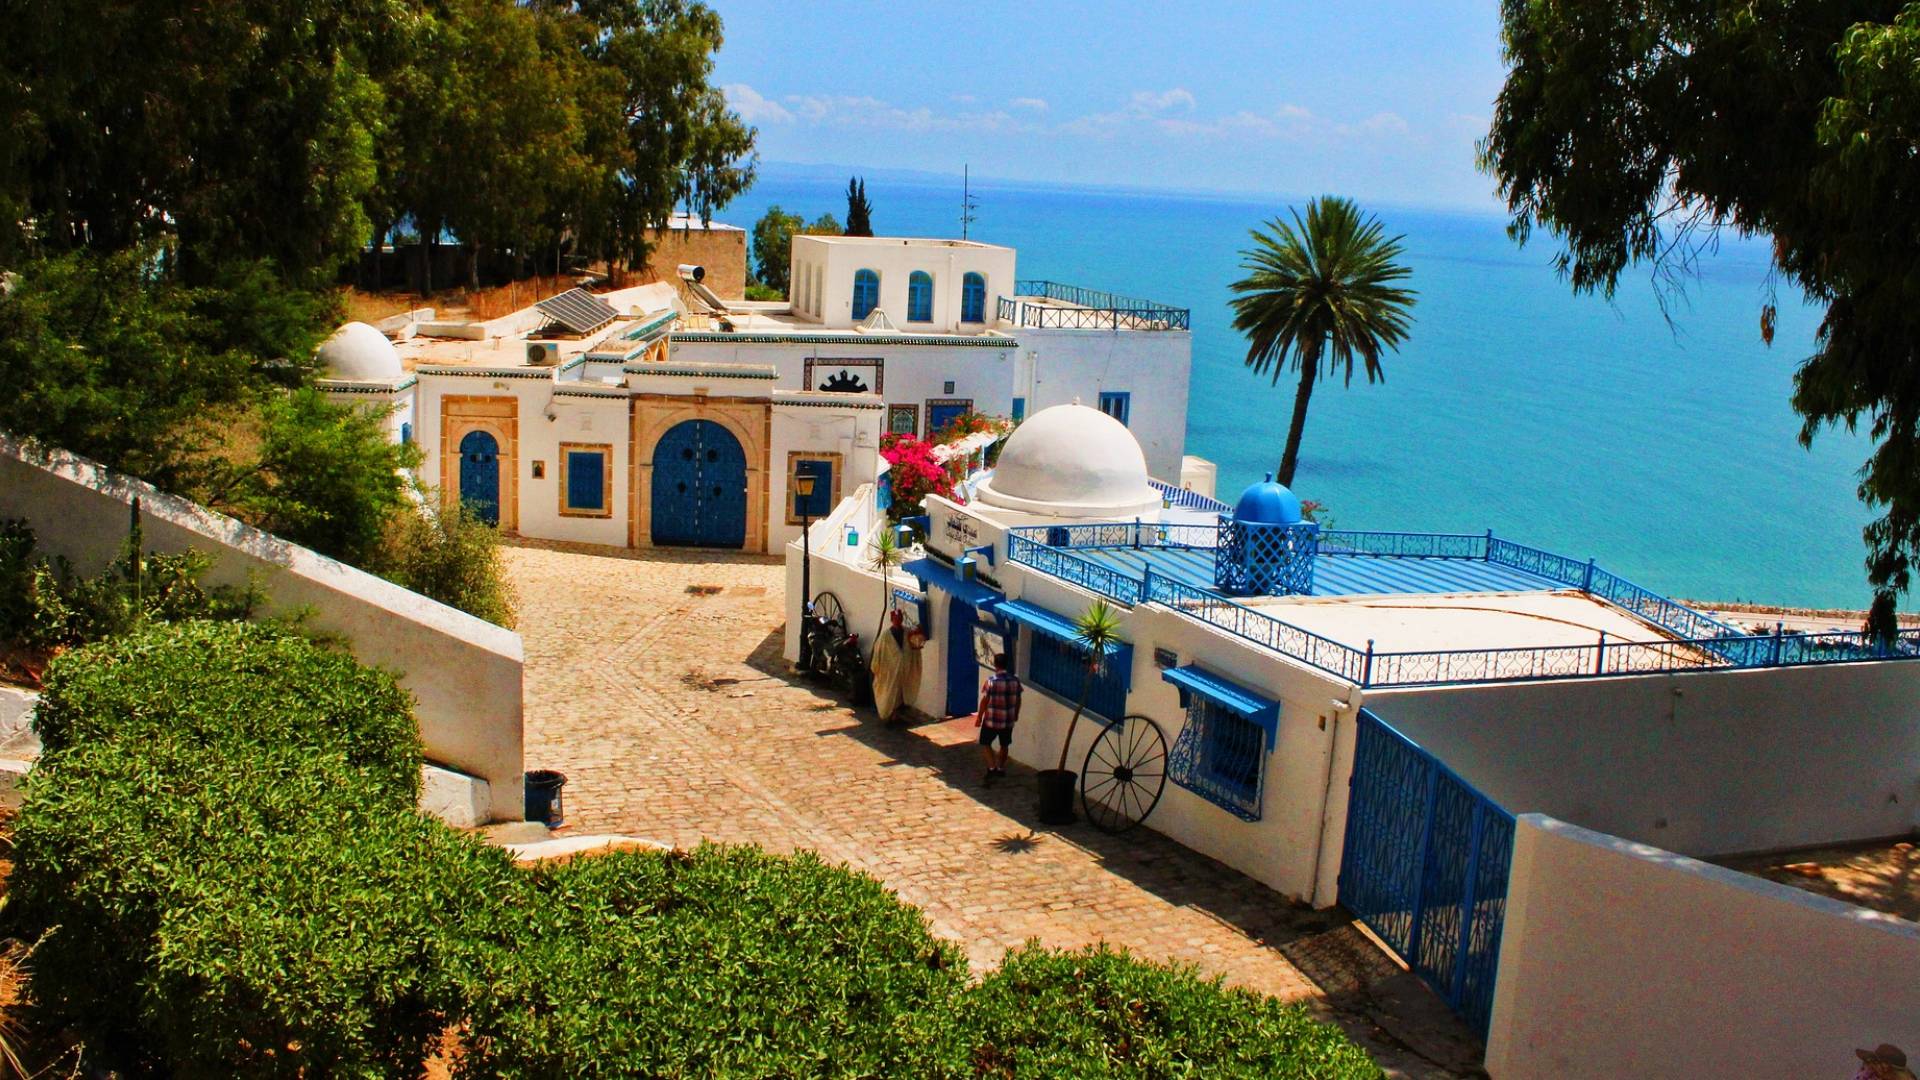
1124,774
825,626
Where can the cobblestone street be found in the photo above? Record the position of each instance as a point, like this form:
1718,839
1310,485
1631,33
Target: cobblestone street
654,680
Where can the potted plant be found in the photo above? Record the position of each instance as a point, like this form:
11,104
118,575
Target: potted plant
1095,631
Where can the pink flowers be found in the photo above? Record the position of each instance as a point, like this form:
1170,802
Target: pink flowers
916,474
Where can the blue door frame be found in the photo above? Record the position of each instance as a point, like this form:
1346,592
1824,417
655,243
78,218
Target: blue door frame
963,668
480,475
699,487
1425,866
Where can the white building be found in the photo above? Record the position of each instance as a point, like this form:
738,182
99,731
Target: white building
600,438
1504,761
937,328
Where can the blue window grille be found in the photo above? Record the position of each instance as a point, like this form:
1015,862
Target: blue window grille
1116,403
866,293
1019,409
973,299
920,296
406,434
586,480
820,503
1059,666
1221,754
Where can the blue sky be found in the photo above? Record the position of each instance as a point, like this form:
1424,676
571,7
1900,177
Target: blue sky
1382,101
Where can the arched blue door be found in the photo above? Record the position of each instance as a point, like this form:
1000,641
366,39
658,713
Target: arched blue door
699,487
480,475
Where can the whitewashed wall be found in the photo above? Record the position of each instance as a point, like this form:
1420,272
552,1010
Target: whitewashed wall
464,673
849,428
1059,366
1622,960
1710,763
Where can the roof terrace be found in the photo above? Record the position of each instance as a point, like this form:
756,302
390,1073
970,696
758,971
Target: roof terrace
1050,305
1382,609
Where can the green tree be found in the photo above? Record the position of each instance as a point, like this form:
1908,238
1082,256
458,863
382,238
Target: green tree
242,129
1637,134
773,247
1095,631
1320,293
859,210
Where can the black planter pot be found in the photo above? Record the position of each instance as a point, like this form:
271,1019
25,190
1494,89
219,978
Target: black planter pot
1056,796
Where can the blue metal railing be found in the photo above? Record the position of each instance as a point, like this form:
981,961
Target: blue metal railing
1426,865
1700,641
1090,309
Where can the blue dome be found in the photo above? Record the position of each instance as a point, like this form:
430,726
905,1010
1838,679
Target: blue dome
1267,503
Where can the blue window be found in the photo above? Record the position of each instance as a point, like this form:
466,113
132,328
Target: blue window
944,411
1221,754
973,298
920,296
406,434
866,293
820,503
1060,666
1116,403
1019,409
584,475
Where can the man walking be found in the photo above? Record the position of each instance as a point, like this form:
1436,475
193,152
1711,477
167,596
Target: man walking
999,711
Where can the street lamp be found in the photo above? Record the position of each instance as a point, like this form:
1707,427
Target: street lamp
803,502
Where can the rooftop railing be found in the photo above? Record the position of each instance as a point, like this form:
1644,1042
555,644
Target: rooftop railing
1699,641
1086,309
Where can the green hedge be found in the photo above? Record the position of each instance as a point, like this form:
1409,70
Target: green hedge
1102,1013
217,685
229,882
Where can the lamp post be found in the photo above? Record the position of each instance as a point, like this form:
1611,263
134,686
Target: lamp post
803,502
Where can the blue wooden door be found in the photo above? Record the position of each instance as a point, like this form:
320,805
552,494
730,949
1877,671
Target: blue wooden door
480,475
963,668
699,487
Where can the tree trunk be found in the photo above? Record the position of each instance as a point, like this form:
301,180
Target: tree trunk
1290,458
1086,691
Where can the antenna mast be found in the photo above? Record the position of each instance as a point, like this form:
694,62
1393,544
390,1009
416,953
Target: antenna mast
967,203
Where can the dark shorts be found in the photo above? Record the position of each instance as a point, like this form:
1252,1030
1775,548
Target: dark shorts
1005,735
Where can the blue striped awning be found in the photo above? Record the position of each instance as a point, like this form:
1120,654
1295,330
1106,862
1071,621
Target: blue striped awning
1046,622
1256,707
933,574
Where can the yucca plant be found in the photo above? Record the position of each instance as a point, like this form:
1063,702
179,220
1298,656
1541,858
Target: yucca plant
1096,630
1321,292
885,555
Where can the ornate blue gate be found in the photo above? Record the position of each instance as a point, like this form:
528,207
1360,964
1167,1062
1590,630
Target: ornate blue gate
1425,866
480,475
699,487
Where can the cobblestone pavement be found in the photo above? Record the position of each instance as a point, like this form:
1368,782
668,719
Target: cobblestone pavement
654,680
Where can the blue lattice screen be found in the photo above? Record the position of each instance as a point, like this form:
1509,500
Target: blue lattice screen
1266,560
1220,756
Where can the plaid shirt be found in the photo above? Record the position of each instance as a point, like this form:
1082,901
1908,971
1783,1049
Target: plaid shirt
1000,701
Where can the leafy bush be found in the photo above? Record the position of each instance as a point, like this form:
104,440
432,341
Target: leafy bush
450,556
243,912
915,475
225,687
1100,1012
725,961
45,605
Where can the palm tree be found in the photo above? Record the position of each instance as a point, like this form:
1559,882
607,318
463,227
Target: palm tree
886,554
1321,292
1096,630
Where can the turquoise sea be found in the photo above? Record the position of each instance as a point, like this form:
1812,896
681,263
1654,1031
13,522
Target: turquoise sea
1592,428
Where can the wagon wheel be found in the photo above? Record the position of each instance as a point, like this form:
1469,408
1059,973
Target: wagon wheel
821,628
1124,774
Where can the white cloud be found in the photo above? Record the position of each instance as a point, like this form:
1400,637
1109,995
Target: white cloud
964,99
1033,103
1149,101
1384,123
752,107
861,111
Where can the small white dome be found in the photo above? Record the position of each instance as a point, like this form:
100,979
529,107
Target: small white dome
1075,462
358,353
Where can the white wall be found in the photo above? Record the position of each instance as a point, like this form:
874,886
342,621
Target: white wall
850,429
1059,366
835,259
1620,960
1708,763
464,674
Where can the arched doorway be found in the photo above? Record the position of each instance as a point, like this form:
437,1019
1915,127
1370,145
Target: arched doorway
480,475
699,487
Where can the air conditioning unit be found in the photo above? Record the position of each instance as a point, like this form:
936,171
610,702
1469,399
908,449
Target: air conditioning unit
543,353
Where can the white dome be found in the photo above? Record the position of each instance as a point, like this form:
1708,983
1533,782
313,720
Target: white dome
358,353
1075,462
